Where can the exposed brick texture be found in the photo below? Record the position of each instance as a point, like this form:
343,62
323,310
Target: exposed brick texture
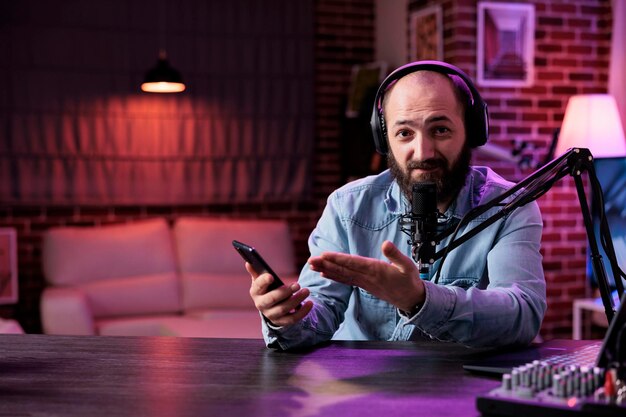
572,44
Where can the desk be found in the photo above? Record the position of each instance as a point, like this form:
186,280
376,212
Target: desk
167,376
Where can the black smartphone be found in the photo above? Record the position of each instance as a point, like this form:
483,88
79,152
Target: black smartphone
250,255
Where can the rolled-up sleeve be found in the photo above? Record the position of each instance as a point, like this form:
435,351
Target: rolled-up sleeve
510,309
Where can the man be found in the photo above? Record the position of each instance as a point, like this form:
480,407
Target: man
360,282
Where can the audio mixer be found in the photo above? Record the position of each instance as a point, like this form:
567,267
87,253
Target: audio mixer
586,382
543,389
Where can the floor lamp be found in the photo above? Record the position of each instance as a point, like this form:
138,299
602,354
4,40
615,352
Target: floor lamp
592,121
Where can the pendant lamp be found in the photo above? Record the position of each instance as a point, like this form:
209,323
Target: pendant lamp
163,78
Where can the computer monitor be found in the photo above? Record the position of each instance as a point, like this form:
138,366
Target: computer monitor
611,173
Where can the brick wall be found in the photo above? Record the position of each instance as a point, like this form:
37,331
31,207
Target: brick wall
572,46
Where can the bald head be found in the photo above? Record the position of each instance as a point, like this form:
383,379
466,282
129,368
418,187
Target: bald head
423,79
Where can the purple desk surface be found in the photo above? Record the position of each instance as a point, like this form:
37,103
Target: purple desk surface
166,376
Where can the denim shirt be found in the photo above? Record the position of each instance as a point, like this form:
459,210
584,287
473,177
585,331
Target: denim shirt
491,290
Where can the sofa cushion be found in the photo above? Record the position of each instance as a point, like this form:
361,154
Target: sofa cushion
222,323
75,255
128,296
65,310
205,244
233,324
229,291
212,272
134,326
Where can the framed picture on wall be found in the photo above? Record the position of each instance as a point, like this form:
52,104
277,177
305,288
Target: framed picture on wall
364,82
506,44
8,266
426,34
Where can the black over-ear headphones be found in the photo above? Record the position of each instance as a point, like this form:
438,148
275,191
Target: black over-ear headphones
476,115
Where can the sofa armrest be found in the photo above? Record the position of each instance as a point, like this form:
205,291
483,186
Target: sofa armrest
66,311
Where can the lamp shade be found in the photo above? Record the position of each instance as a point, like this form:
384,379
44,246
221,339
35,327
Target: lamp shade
163,78
592,121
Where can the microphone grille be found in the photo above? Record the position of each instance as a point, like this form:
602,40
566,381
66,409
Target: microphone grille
424,200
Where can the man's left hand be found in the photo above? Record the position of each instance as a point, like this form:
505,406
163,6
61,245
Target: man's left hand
396,282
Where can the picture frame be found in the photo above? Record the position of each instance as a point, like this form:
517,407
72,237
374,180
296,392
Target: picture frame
364,81
8,266
506,44
426,34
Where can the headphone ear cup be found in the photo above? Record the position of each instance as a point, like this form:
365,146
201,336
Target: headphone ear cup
383,135
379,131
485,124
480,125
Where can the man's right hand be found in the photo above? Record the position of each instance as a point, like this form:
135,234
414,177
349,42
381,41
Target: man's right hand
283,306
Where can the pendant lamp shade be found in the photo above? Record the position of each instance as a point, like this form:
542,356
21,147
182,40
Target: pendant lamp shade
163,78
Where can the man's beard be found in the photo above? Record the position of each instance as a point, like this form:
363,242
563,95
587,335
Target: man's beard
449,181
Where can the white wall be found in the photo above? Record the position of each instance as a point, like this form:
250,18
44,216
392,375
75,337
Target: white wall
391,32
617,77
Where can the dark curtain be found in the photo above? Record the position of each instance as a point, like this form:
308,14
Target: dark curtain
75,128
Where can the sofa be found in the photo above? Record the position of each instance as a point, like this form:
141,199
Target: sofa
152,278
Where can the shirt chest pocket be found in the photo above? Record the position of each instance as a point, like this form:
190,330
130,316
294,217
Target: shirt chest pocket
459,273
376,317
461,282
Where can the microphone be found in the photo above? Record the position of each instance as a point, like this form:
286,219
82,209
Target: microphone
421,225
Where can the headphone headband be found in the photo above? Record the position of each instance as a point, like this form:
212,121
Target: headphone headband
476,115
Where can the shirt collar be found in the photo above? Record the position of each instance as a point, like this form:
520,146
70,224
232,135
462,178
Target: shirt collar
397,203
